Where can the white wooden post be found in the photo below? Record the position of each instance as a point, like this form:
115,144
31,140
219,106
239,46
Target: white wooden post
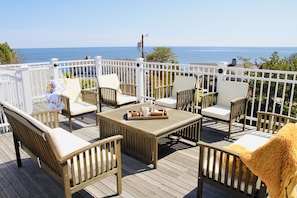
222,66
55,69
139,80
27,91
98,65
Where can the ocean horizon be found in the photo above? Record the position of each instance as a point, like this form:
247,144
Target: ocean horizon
184,55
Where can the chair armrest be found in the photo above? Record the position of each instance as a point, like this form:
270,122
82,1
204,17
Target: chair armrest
86,164
184,98
89,96
66,102
222,166
163,91
238,107
111,144
48,118
107,95
208,99
128,89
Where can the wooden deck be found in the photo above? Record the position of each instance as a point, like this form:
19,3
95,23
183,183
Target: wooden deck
176,175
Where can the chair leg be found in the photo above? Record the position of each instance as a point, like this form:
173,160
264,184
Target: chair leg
229,131
100,107
70,124
244,123
17,151
119,182
97,122
199,188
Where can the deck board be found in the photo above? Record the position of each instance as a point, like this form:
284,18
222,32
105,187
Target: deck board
176,175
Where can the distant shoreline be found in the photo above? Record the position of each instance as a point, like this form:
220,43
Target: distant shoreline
185,55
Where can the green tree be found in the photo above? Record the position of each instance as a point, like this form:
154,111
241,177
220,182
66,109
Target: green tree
7,55
274,62
162,55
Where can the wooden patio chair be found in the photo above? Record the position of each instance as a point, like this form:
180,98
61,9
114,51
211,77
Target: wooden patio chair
112,92
228,104
223,168
77,102
180,95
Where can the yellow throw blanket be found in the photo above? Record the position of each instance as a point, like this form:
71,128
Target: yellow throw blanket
276,162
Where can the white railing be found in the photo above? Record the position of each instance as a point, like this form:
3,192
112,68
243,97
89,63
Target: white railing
270,90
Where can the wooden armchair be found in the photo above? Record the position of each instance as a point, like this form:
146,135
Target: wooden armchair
77,102
228,104
223,168
180,95
112,92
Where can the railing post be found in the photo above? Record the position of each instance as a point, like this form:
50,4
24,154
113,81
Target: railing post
55,69
98,65
27,91
139,80
221,72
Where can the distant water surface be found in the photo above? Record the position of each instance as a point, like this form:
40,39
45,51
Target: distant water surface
184,54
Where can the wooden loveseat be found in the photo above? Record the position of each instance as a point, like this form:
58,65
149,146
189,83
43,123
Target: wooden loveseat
72,161
224,169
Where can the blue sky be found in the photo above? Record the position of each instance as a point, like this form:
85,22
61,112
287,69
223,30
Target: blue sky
95,23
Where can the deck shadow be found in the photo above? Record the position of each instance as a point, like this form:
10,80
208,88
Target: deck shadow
31,181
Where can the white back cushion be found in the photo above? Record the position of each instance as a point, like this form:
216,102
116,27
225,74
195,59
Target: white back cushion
182,83
229,90
109,81
28,117
73,90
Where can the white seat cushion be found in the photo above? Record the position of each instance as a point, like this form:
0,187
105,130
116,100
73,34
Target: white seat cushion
217,111
169,102
124,99
253,140
81,108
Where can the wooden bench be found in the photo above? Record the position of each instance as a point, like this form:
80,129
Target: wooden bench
72,161
217,169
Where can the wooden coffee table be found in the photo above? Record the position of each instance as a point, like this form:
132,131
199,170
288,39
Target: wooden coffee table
140,137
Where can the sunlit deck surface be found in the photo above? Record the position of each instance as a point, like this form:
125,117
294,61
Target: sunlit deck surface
176,175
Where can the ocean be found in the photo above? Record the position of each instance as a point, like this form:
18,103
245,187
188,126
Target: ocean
184,55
